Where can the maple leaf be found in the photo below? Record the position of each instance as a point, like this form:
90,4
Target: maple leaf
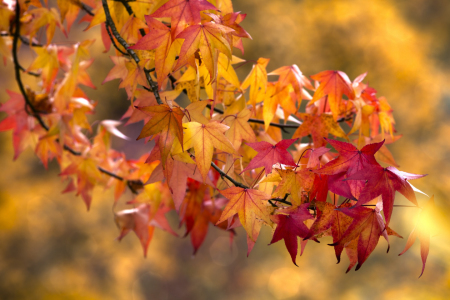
20,122
204,138
350,161
165,120
206,38
194,112
232,20
159,38
293,76
328,216
183,13
87,175
69,11
294,183
177,174
367,226
49,18
141,221
197,212
257,81
384,182
318,126
290,226
248,204
47,61
314,155
422,230
273,99
269,154
239,128
333,84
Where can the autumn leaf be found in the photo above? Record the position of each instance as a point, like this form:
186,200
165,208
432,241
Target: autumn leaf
422,230
350,161
177,174
166,121
290,226
319,127
143,224
159,37
239,128
204,138
194,112
293,76
333,84
183,13
257,81
294,183
69,11
248,204
206,38
269,154
384,182
367,225
47,62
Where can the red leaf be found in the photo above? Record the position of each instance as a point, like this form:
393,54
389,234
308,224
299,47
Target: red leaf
183,13
290,226
350,161
270,154
384,182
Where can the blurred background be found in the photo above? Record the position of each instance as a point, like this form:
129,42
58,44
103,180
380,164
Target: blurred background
51,248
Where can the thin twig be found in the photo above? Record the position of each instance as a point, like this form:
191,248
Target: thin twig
17,68
28,72
86,9
282,126
130,12
395,205
223,174
29,42
133,54
113,41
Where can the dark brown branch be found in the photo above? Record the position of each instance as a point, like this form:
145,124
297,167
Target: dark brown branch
130,12
282,126
133,54
28,72
17,68
113,41
281,200
29,42
86,9
132,184
225,175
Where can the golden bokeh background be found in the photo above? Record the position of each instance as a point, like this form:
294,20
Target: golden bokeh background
51,248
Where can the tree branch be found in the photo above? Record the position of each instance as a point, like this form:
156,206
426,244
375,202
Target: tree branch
282,126
130,12
17,68
223,174
113,41
133,54
86,9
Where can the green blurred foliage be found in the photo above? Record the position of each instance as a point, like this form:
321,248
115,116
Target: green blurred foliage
51,248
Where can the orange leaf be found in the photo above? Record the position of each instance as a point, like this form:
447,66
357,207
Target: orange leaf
204,138
334,84
248,204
